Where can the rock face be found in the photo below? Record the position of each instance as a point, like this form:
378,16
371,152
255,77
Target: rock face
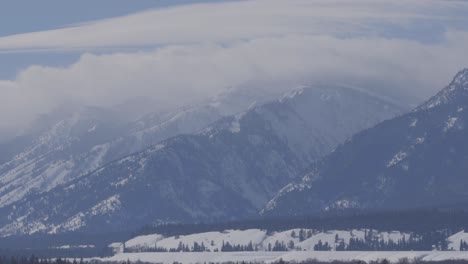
416,160
227,170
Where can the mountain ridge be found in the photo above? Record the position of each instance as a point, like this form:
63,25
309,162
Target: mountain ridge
414,160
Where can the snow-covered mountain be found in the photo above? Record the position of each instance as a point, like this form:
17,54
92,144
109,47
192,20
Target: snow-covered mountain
416,160
73,141
228,170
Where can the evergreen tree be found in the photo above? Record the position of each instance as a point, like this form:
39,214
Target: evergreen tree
291,245
302,235
293,234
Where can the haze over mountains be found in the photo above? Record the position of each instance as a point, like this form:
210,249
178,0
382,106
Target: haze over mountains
227,170
230,158
73,141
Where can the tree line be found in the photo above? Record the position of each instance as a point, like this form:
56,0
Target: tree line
416,221
371,241
35,260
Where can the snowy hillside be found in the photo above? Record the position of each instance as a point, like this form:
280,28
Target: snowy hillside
261,240
456,241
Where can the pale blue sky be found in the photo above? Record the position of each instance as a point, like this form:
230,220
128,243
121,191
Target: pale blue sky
21,16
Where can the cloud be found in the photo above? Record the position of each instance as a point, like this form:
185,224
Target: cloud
226,22
194,52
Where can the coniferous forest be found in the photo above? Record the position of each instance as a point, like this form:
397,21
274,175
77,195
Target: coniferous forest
36,260
417,221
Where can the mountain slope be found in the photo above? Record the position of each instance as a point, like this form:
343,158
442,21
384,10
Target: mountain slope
74,141
51,157
416,160
228,170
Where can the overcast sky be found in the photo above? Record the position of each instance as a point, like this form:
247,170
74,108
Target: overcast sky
101,53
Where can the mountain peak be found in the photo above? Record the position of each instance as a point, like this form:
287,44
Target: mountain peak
416,160
457,90
461,79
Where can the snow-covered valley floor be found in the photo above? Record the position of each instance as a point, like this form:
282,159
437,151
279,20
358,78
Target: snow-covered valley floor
298,256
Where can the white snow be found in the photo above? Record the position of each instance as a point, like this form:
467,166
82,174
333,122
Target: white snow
397,159
413,123
284,237
97,155
342,204
120,183
286,189
450,123
345,237
77,221
419,140
270,257
235,126
72,224
368,256
259,239
445,96
159,147
22,223
196,257
30,178
109,205
454,240
292,93
74,246
214,240
117,247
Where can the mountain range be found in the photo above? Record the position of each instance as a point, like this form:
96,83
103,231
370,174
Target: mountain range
311,150
89,172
